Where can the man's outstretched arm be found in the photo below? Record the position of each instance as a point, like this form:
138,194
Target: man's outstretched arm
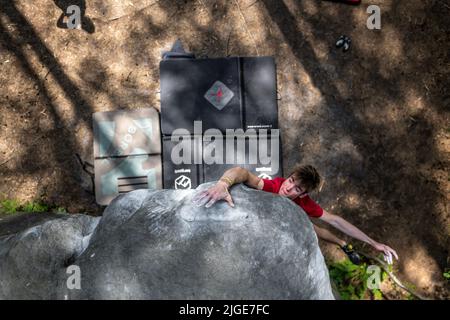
349,229
326,235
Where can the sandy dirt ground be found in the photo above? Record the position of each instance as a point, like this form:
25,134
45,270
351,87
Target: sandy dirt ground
373,120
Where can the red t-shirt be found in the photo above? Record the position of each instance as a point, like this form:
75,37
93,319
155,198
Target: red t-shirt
306,203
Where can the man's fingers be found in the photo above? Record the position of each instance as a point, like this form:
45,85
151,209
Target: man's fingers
199,196
388,256
394,253
203,200
210,203
209,197
230,201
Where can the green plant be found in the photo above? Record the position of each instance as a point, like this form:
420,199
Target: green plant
9,206
409,296
34,207
377,294
446,274
351,280
410,286
59,210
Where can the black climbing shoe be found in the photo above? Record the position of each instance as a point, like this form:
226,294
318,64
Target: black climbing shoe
344,42
340,41
351,254
347,43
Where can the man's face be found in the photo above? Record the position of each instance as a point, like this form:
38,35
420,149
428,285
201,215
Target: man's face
291,188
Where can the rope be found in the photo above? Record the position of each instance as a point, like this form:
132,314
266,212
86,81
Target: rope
392,276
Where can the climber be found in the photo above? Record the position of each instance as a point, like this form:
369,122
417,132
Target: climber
300,182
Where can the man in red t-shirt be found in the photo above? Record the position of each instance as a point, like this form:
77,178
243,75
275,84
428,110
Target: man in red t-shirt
303,179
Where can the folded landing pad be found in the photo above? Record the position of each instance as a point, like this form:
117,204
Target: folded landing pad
127,151
200,95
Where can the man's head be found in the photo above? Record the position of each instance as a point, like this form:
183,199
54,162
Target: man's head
302,180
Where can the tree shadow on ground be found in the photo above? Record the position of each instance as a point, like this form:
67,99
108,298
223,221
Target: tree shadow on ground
64,146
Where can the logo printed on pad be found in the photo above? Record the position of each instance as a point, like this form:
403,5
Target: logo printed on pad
182,182
219,95
265,176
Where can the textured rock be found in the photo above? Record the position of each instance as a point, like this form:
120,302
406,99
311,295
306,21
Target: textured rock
157,245
31,260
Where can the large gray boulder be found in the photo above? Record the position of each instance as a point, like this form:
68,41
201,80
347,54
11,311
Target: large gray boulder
158,245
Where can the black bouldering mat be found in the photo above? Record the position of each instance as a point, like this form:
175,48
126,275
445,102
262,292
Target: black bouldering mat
222,93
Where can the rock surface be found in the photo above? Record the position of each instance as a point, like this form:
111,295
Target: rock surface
158,245
32,261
